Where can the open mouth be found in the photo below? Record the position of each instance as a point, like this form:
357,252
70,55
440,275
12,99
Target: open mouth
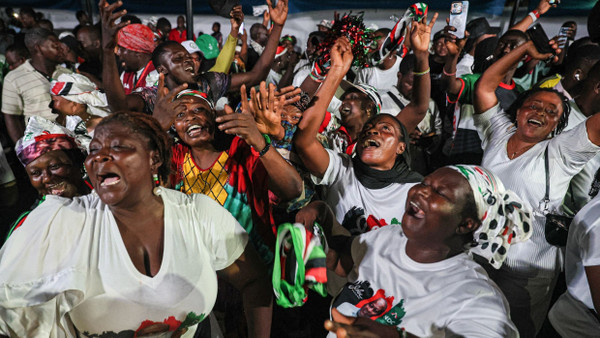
414,210
57,189
190,69
108,179
535,122
345,110
194,130
371,143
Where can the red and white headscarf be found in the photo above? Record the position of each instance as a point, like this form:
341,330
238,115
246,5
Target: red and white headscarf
42,136
78,88
136,37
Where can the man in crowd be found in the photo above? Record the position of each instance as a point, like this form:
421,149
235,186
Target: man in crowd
26,90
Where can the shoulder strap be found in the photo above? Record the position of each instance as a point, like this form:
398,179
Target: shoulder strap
396,100
547,169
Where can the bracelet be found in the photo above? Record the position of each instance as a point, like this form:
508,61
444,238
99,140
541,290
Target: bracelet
266,148
422,73
534,15
315,78
448,74
402,333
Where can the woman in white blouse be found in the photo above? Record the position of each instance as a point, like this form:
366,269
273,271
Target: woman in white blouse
515,148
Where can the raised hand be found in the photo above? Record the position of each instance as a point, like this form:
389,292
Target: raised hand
544,6
166,107
291,94
341,55
242,125
453,44
420,34
533,52
237,18
107,19
266,108
279,12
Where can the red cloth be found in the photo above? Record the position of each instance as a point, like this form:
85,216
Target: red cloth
130,82
175,35
136,37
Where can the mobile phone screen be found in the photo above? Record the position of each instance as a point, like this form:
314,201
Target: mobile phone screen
458,17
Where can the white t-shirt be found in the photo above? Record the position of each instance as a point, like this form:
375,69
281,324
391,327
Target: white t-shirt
382,80
355,206
432,122
301,71
67,266
582,182
525,175
453,297
583,249
465,65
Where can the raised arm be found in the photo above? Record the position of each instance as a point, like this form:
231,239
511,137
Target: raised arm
284,180
261,69
415,111
225,58
115,94
451,83
485,91
249,275
528,20
312,153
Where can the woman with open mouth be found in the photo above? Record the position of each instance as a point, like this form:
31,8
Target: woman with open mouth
424,269
132,258
53,160
527,150
368,190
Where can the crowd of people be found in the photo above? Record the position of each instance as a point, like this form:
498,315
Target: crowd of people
377,182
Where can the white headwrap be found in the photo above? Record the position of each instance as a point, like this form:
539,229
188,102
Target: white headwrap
504,218
78,88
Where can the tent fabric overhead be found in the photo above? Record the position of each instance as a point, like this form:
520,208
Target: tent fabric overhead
493,7
296,6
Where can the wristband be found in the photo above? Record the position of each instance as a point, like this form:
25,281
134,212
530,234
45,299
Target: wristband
422,73
534,15
266,148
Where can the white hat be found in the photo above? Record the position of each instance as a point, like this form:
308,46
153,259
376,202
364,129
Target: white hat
191,47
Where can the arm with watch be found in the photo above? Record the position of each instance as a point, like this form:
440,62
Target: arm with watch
284,180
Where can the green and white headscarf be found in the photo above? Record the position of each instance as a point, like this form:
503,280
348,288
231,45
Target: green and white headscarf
505,220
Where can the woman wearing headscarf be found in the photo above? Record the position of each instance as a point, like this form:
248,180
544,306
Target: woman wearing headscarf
424,268
53,159
130,259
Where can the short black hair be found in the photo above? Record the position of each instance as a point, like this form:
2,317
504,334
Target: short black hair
160,50
79,14
407,64
19,49
35,36
162,22
131,18
27,10
255,28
